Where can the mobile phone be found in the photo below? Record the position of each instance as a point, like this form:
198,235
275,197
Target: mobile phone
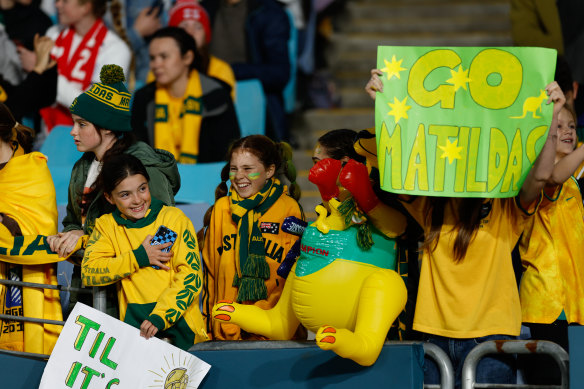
163,235
156,7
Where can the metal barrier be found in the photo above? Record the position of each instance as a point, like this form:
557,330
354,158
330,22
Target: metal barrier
444,366
60,288
514,347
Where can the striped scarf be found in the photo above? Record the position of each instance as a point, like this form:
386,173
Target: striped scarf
178,132
252,269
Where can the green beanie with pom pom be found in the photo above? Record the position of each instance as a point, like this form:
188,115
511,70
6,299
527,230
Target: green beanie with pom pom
107,103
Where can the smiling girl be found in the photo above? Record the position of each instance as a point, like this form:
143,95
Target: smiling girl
158,291
552,286
244,241
102,130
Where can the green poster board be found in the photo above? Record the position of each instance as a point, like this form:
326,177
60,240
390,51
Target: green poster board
461,121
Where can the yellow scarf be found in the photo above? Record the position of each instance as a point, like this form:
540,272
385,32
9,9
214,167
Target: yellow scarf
188,122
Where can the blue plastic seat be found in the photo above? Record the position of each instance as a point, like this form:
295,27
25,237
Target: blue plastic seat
198,182
61,155
289,93
60,148
250,107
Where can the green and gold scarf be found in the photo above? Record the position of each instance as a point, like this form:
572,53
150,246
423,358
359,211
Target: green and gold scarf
190,121
252,269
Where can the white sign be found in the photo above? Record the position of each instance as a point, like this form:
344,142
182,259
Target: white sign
95,350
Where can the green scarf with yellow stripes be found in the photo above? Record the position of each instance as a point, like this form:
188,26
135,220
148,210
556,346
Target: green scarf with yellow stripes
252,269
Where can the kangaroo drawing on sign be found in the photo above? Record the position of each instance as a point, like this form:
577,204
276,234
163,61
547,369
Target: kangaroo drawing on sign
532,104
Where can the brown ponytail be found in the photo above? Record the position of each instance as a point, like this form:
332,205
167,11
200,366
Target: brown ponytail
9,126
116,12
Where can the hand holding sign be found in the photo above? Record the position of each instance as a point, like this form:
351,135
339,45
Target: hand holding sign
462,122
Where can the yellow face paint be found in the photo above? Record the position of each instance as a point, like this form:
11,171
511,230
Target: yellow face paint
231,175
253,176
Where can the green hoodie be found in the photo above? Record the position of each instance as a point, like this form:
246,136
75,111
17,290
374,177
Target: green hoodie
164,184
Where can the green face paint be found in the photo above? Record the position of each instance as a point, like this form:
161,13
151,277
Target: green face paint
253,176
231,175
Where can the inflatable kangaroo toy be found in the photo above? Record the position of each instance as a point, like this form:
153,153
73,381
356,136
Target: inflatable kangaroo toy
532,104
346,293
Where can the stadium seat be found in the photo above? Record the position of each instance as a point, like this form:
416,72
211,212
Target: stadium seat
250,107
60,148
198,182
290,89
61,156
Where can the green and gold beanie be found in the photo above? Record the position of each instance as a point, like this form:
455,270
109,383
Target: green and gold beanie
107,103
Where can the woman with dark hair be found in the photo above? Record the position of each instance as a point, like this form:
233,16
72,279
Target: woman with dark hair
337,144
183,111
467,292
194,19
244,242
27,207
102,129
159,285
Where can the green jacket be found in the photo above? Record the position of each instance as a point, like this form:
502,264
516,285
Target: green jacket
164,184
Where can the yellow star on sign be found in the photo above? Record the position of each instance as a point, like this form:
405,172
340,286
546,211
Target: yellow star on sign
459,78
451,151
392,68
399,109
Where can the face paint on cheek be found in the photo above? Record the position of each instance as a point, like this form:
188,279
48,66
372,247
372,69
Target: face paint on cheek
253,176
231,175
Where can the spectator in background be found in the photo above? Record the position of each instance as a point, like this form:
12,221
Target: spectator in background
23,98
23,19
190,16
144,17
183,111
83,44
536,23
10,67
252,36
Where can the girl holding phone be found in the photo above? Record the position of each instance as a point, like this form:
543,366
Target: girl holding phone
161,302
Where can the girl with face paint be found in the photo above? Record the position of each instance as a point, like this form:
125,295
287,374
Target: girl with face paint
244,243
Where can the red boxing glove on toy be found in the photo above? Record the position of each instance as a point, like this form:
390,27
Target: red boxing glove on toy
324,175
355,178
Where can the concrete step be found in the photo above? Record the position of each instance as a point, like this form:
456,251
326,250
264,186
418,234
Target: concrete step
358,53
357,44
356,97
435,24
446,8
352,78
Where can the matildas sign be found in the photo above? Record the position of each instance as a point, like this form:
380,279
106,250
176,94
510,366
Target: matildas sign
461,121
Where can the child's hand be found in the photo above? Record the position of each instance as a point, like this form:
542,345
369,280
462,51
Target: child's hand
64,242
147,329
556,95
155,254
374,84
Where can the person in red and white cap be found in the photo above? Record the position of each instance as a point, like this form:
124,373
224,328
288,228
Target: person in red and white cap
194,19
